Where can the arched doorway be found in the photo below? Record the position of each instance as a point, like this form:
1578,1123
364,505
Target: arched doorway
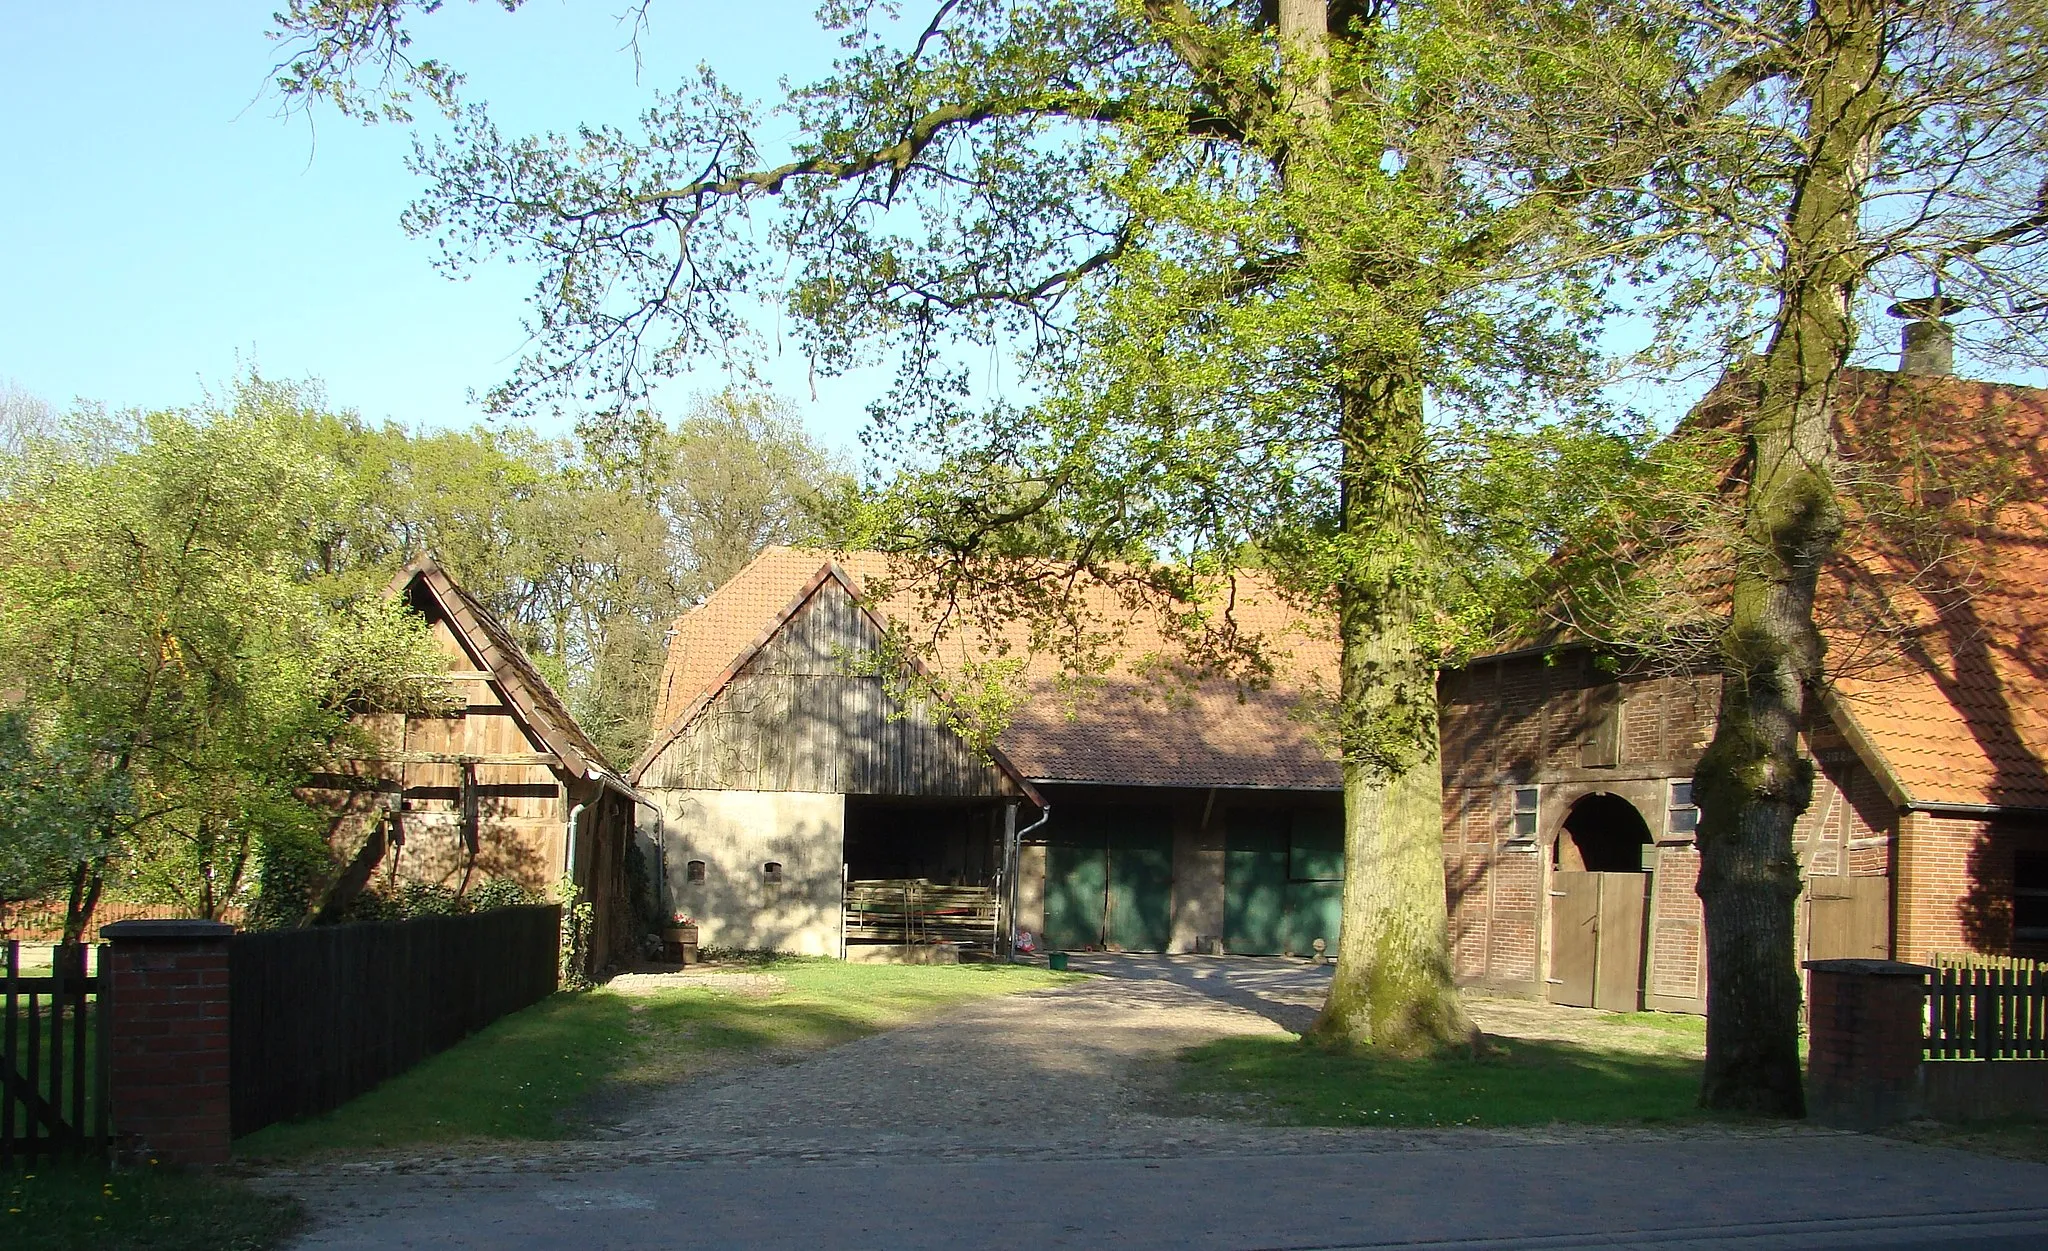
1603,833
1599,893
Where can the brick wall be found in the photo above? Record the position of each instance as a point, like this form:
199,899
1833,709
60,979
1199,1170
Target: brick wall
1955,884
1522,721
168,1062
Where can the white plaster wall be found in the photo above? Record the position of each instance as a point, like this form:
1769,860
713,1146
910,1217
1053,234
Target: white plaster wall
736,832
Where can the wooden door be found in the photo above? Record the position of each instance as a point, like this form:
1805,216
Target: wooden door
1574,936
1076,895
1140,882
1596,939
1255,883
1618,939
1849,918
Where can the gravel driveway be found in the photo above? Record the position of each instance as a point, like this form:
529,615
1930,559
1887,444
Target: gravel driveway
1038,1120
1080,1070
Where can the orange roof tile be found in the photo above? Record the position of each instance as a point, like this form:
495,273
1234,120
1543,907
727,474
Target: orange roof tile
1956,707
1125,726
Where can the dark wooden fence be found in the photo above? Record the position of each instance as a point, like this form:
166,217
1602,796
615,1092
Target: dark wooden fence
53,1059
1987,1011
318,1016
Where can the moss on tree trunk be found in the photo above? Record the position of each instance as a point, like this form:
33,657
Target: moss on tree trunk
1392,990
1752,783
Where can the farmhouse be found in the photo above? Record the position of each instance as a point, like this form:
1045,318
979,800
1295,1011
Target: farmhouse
501,784
1568,816
804,806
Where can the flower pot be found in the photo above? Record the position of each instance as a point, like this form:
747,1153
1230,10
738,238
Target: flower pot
679,943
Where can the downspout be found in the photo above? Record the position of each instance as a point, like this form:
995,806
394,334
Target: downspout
1015,856
569,859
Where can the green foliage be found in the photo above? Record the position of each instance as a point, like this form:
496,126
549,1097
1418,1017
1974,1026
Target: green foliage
586,549
155,603
577,919
58,804
296,867
643,899
500,892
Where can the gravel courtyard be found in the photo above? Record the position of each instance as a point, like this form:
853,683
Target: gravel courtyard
1043,1119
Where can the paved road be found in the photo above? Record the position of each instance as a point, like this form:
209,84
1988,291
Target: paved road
1032,1121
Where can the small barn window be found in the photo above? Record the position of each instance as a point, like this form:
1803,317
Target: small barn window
695,871
1525,798
772,871
1683,816
2030,897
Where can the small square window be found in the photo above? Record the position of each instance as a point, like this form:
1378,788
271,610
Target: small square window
1682,817
695,871
1525,799
772,871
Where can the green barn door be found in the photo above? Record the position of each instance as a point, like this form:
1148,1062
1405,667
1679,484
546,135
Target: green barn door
1315,881
1076,884
1255,882
1140,880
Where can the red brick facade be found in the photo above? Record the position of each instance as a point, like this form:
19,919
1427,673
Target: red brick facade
168,1064
1530,720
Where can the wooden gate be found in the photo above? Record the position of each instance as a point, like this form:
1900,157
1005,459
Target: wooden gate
1849,918
1596,939
53,1060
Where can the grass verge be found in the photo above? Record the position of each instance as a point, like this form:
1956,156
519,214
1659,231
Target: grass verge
538,1073
62,1207
2012,1140
1511,1082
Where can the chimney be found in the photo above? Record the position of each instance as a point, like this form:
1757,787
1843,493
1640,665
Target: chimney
1928,344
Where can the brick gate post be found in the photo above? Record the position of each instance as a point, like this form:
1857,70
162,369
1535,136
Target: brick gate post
1866,1028
168,1064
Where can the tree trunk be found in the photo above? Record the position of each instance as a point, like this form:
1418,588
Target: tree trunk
1392,990
1752,783
84,901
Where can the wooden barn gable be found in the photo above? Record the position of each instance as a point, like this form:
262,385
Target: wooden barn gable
805,708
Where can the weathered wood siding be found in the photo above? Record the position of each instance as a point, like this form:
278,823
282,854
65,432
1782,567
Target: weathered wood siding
805,715
522,809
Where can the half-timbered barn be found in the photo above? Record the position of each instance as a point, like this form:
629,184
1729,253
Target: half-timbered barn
804,807
499,783
1568,816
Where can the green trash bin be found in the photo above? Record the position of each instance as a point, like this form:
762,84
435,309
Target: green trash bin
1056,961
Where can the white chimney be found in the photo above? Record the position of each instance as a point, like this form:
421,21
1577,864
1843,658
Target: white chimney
1927,345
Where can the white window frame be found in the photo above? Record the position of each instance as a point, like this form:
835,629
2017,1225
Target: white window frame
1516,836
1672,808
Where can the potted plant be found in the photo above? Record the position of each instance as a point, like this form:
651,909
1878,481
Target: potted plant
679,938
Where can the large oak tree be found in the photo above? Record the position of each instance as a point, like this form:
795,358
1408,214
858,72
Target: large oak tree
1277,271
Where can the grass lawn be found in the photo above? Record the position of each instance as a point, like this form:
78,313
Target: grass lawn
1647,1072
536,1074
79,1206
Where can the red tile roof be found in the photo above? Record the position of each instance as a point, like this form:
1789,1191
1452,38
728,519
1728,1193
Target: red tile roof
1124,727
1957,708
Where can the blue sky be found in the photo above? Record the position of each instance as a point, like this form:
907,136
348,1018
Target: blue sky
165,226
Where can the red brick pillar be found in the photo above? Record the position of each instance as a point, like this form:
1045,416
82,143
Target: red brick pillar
168,1067
1866,1027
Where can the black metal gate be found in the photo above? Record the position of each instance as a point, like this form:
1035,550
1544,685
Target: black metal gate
53,1058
